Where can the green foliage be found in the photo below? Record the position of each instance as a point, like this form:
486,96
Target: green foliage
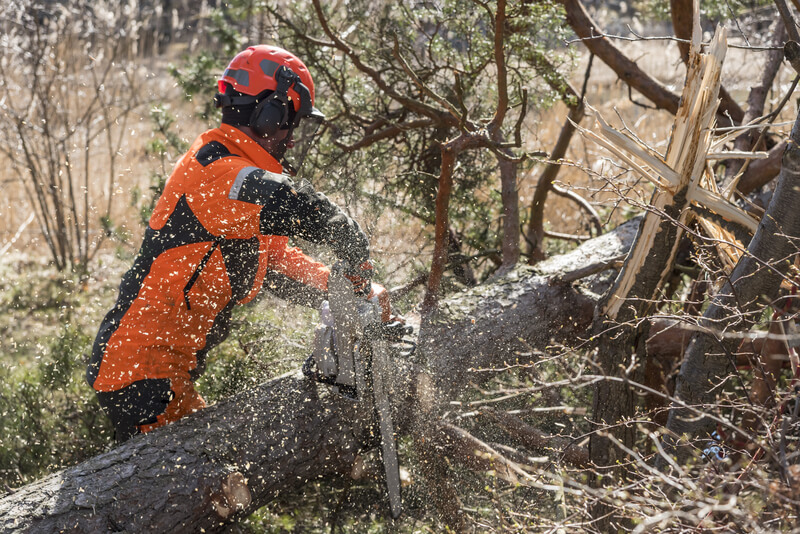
710,9
196,79
198,74
48,416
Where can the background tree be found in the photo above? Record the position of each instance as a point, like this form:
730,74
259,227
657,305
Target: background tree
68,90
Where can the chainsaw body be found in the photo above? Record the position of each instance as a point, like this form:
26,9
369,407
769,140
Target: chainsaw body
352,354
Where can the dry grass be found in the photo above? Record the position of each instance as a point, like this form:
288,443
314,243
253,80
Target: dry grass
132,170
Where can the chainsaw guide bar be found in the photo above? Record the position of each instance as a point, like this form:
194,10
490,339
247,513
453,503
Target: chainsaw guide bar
352,355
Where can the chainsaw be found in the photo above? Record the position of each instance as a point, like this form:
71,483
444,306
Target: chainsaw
352,347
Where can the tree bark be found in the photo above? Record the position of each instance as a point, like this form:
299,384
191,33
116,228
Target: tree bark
509,193
200,473
224,462
489,327
450,151
623,351
753,283
681,13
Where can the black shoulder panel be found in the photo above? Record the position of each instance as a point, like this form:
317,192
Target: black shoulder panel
211,152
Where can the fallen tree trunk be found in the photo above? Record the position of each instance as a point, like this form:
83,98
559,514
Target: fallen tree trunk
504,323
221,464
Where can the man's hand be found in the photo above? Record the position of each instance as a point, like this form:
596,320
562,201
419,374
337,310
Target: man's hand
360,277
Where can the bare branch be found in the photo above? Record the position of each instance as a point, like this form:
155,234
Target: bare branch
410,103
423,87
388,132
502,73
788,20
536,440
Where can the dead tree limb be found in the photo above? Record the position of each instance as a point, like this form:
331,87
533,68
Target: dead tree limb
762,171
583,204
681,12
534,439
788,20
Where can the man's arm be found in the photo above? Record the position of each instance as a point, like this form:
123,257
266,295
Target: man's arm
299,211
293,276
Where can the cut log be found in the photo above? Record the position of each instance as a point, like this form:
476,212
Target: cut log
222,463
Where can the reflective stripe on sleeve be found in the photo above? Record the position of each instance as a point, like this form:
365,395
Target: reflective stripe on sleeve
239,181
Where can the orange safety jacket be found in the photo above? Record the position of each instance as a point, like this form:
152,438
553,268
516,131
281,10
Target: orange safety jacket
218,234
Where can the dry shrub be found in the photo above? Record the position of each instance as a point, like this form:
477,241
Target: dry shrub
69,90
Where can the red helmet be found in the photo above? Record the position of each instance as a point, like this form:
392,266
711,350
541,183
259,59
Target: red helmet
252,72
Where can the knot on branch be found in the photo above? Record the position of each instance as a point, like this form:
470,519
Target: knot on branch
791,51
790,162
233,496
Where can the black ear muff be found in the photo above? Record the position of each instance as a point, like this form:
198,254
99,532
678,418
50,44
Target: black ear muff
270,115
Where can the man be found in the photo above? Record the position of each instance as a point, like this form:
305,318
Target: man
218,234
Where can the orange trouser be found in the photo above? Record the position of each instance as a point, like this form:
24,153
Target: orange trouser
150,403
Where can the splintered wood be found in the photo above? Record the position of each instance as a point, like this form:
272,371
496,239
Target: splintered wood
682,178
